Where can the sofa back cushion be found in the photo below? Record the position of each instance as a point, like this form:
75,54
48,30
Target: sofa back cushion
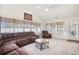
29,33
19,34
0,37
1,41
7,35
8,48
25,33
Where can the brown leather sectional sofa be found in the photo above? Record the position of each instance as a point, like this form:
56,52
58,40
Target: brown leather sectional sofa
11,43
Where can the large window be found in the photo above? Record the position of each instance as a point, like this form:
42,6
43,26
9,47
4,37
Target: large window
6,25
33,27
55,28
27,26
60,28
18,26
49,27
13,25
36,27
73,29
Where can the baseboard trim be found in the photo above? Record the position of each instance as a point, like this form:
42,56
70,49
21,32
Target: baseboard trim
77,41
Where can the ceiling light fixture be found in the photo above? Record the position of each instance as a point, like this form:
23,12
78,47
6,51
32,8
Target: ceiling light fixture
46,9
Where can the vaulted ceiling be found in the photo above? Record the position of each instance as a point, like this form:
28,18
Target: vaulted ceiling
46,11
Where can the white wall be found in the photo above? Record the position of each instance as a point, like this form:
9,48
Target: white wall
16,12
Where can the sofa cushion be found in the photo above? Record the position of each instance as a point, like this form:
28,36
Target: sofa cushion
9,39
29,33
9,42
44,32
7,35
31,39
18,51
25,33
1,42
19,34
13,53
8,48
21,51
22,42
0,37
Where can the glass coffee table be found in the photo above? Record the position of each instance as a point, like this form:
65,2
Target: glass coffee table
42,43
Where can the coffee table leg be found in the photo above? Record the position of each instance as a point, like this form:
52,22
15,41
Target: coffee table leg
41,46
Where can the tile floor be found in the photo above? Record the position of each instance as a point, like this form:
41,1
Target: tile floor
56,47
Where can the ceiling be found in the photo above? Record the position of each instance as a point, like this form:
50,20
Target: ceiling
47,11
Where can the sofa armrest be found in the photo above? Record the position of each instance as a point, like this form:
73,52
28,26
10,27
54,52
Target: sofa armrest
21,51
18,51
8,48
